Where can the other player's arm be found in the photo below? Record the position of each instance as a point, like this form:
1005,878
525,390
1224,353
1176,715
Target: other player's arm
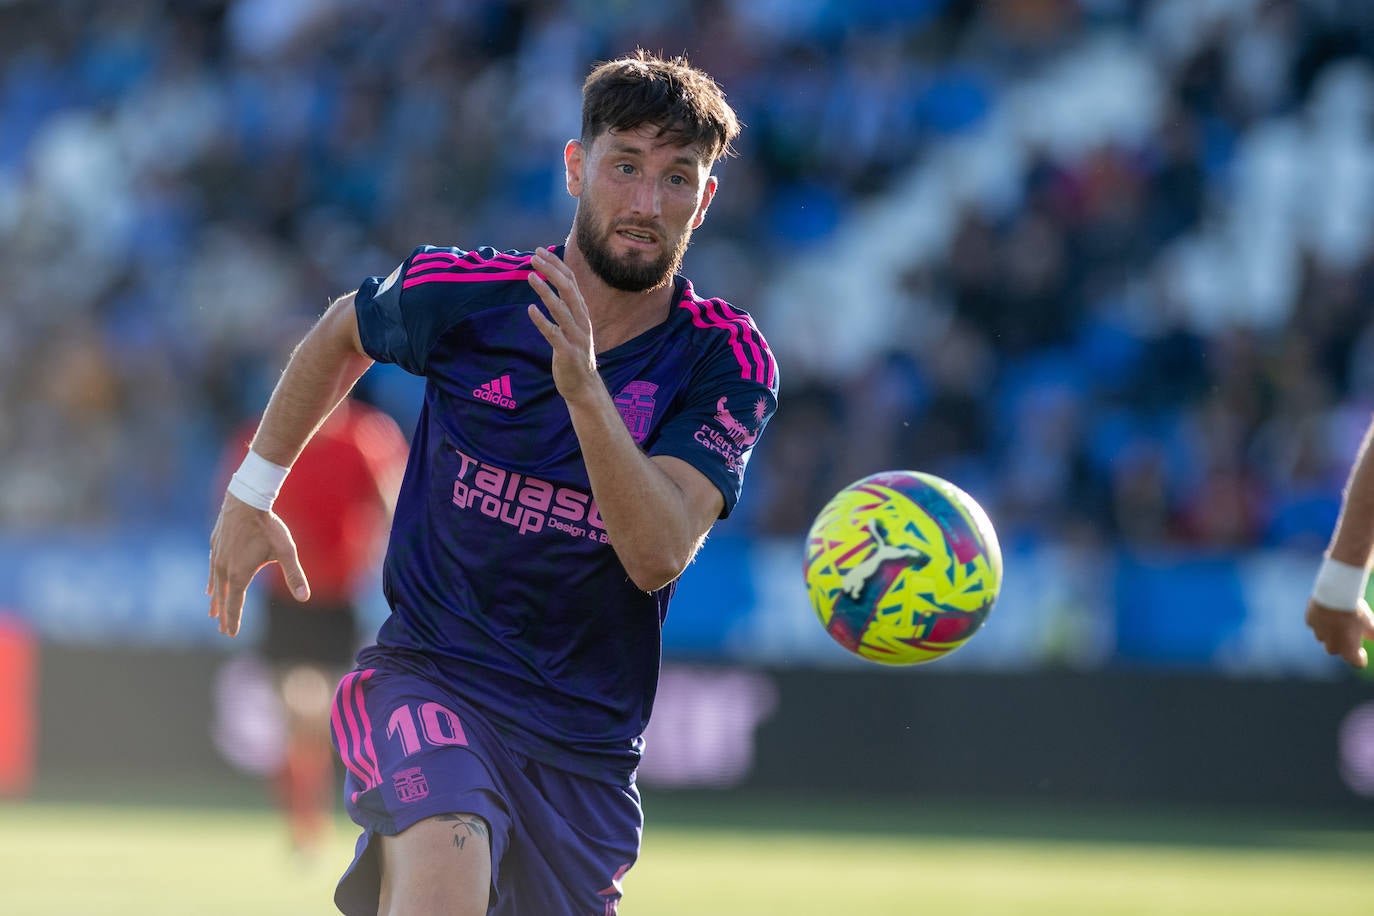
1337,612
657,510
321,371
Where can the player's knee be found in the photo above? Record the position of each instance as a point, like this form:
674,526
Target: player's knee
440,865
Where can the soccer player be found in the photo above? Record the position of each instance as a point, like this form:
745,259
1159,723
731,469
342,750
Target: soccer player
587,417
1337,612
338,505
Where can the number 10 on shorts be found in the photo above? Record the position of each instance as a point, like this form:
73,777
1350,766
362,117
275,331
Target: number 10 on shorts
439,726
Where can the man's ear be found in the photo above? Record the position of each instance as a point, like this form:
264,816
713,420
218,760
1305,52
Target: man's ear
707,193
574,161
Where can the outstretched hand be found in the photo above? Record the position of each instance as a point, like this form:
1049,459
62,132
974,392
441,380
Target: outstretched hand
245,540
1342,632
570,330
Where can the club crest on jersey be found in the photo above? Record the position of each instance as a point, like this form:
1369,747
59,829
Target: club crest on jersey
497,391
636,405
410,785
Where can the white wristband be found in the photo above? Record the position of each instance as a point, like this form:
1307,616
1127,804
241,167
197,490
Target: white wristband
257,481
1339,586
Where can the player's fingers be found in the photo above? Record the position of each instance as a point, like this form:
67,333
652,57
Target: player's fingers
1366,620
1344,641
551,331
1353,635
294,574
542,285
221,600
218,591
210,567
558,309
549,298
556,276
235,593
1349,646
552,270
210,557
552,266
233,612
284,550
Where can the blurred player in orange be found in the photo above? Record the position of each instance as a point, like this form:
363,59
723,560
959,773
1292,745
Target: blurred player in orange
1337,611
338,503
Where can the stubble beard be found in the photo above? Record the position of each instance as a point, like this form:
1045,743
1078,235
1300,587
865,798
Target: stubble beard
628,274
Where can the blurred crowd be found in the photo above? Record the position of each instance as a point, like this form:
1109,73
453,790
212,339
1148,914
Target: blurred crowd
1102,262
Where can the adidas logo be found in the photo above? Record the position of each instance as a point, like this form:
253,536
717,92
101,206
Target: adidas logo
497,391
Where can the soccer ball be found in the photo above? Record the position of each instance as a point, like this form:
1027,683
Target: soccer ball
902,567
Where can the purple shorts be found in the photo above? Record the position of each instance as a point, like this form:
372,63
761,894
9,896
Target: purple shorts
560,843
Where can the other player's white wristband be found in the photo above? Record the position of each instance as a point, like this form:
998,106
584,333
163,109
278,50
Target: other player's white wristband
257,481
1339,586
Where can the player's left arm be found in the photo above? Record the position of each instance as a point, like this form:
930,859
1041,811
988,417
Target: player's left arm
657,510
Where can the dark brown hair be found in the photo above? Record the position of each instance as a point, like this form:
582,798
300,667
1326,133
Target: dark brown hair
685,103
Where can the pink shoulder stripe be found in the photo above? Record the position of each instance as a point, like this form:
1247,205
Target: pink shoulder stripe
474,277
470,267
469,258
751,351
515,260
434,259
752,338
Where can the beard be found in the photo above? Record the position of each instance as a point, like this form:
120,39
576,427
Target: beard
632,273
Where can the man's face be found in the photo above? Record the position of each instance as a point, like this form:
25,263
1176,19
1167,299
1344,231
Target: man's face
638,201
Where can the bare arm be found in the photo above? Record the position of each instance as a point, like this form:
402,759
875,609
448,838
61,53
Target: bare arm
322,370
1353,539
657,510
324,366
1342,630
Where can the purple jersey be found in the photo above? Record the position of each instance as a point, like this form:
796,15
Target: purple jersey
498,568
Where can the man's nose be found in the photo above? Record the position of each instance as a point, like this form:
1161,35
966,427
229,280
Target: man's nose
647,198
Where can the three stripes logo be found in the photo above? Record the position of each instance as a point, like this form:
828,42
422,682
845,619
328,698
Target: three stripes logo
497,391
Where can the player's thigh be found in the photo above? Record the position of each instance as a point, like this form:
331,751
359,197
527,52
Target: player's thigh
441,864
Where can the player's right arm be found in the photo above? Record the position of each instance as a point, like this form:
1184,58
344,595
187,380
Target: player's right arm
321,371
1337,612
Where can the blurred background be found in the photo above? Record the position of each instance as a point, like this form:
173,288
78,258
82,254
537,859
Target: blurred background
1106,264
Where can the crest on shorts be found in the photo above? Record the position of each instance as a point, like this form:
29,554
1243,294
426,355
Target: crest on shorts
636,405
411,785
